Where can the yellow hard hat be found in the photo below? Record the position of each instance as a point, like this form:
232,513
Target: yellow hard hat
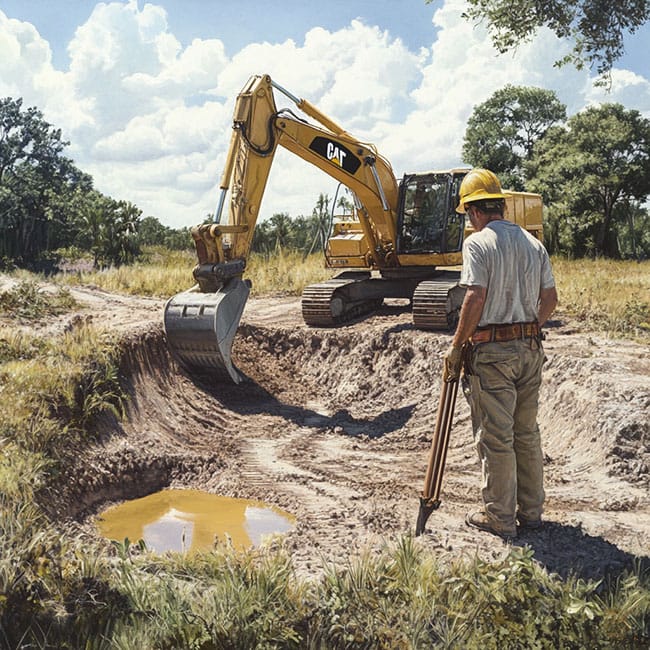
479,184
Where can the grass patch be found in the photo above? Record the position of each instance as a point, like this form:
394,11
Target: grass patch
53,389
400,597
606,295
286,273
404,598
158,273
28,301
162,273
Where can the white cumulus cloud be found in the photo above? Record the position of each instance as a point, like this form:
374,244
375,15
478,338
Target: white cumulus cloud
150,118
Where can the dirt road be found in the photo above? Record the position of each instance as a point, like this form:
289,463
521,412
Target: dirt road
335,426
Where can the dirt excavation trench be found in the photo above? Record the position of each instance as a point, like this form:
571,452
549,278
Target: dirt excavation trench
334,426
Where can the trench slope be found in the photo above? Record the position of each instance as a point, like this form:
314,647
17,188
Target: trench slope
335,427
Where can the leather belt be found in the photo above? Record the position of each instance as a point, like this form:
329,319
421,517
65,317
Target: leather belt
507,332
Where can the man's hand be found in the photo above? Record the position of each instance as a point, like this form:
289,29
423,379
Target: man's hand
452,363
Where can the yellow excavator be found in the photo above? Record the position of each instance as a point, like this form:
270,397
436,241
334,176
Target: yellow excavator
403,239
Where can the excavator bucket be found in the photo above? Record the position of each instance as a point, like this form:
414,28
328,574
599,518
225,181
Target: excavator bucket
201,327
430,499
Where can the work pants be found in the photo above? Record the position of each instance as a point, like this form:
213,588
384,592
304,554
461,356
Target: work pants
503,394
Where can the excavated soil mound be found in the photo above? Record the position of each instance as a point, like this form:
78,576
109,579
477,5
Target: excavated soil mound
335,426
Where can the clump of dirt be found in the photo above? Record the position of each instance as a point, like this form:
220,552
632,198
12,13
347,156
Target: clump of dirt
334,426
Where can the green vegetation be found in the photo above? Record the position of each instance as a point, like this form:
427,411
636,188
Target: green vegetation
594,175
502,131
27,301
606,296
593,171
59,591
50,212
158,272
52,389
162,273
47,203
54,593
286,272
596,30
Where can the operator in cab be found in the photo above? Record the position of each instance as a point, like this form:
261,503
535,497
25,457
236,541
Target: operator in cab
510,295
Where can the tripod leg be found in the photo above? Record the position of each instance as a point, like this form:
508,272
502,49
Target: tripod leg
430,499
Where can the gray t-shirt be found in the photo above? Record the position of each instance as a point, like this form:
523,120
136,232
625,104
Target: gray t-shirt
512,265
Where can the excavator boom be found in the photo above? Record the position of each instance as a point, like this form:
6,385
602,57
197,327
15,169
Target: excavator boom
403,240
200,323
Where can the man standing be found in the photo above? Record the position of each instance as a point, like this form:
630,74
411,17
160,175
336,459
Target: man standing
510,294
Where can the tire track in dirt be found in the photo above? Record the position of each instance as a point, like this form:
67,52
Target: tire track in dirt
335,427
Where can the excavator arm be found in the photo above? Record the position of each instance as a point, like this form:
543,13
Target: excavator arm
201,323
258,128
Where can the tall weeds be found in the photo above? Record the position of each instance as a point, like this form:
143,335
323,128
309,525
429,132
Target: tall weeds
400,597
27,301
53,389
163,273
159,272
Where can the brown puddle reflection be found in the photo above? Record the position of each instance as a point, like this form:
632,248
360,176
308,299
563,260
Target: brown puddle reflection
190,520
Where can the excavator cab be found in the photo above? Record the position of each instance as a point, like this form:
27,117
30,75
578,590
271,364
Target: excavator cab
428,221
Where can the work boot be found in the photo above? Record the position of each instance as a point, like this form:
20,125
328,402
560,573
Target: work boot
483,522
531,524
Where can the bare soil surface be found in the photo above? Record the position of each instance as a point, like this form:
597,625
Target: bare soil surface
335,426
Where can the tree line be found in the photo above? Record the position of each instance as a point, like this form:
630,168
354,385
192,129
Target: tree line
593,170
47,203
49,207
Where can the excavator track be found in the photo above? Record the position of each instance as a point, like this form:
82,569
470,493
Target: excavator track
436,304
329,303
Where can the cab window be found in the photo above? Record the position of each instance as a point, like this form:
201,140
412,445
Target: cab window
429,223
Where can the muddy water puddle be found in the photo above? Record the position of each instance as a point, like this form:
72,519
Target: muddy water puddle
191,520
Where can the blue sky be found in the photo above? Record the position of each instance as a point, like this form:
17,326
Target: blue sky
144,91
236,23
239,22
